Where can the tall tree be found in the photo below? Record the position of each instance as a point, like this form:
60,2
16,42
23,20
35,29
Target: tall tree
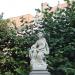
59,28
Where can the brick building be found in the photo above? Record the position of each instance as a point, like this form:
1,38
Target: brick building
28,19
21,20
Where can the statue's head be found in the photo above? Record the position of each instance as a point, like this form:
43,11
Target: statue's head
40,34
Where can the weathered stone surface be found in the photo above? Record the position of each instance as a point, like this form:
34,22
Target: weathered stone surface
37,53
39,72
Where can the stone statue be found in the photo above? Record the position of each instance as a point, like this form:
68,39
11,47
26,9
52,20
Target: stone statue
37,53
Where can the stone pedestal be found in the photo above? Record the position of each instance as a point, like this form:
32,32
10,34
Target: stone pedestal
39,72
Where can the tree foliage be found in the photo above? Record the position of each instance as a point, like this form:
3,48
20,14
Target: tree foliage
14,56
59,28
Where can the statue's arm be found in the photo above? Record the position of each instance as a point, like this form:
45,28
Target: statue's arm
34,46
47,48
41,46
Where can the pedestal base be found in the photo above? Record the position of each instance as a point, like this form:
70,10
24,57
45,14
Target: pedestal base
39,72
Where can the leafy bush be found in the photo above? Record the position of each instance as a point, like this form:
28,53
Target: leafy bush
14,51
59,28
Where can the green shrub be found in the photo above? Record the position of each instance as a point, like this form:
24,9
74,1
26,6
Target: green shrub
59,28
14,51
